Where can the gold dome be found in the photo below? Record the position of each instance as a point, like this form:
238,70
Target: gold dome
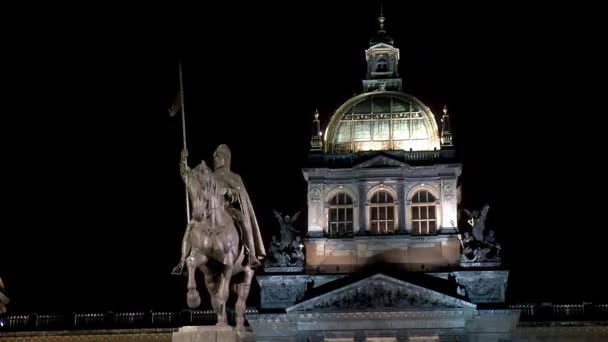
377,121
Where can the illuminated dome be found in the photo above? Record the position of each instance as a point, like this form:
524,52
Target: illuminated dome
385,120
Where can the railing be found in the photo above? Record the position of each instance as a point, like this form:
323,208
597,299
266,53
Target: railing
562,312
111,320
421,155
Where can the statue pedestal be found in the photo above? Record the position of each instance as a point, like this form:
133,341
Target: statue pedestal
225,333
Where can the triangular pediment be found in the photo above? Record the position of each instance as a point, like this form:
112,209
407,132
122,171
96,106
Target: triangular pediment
381,292
380,161
381,46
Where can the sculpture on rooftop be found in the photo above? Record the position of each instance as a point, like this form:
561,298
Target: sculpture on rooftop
479,245
288,251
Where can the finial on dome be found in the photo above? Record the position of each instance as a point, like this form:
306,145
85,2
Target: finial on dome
446,128
381,18
316,145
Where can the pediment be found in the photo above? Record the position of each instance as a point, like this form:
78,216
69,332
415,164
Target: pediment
380,161
381,292
381,46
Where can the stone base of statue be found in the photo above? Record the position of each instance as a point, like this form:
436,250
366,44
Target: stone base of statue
284,269
481,264
209,333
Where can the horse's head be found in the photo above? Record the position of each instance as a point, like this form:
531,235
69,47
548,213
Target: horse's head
210,190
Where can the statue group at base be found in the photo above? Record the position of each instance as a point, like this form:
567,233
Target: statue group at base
479,245
286,252
222,239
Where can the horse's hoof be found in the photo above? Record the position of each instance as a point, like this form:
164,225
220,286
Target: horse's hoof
193,299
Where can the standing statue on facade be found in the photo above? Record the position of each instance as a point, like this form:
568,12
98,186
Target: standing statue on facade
288,251
481,245
478,221
220,211
287,229
275,255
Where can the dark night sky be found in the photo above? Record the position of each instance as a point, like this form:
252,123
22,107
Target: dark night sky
94,206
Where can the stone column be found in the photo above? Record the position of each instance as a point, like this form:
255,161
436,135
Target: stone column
362,209
316,217
402,204
448,206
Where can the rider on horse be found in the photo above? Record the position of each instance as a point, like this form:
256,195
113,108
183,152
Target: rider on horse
237,201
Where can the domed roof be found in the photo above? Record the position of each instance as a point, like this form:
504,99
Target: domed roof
381,37
377,121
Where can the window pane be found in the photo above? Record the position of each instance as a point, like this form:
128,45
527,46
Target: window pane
382,213
391,213
382,104
389,198
374,227
416,227
380,197
341,215
333,215
401,129
423,227
432,226
423,213
343,133
349,228
362,131
416,198
334,200
374,213
376,198
364,107
431,198
424,196
349,214
347,199
333,228
415,213
432,212
419,130
382,130
391,226
400,106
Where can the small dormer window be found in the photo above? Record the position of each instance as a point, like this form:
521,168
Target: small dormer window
382,65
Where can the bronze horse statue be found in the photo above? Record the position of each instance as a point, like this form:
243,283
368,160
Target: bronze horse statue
216,250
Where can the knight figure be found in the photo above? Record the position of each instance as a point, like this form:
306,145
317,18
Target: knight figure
237,202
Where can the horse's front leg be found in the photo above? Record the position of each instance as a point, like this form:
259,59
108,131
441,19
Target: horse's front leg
195,259
242,289
223,289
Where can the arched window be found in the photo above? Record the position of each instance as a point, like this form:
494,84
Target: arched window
382,218
424,217
341,215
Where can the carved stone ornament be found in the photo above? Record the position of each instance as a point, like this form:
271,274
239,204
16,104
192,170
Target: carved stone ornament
381,292
448,190
315,195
